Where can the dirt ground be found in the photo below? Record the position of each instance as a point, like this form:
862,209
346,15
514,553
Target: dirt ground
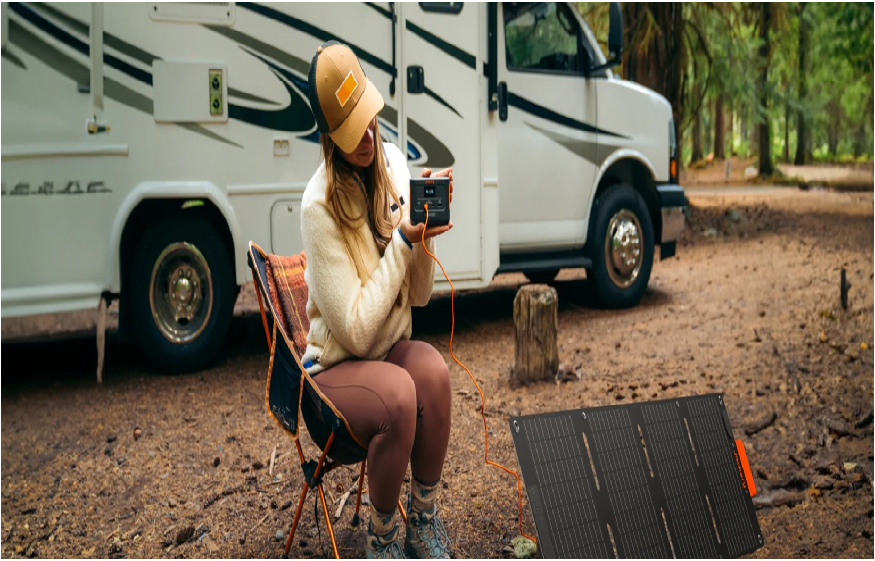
858,177
750,308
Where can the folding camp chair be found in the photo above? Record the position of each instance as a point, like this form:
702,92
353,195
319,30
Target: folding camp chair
291,392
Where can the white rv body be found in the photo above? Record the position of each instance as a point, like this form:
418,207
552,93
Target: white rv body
203,109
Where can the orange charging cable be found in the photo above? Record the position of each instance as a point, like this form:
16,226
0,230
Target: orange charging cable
482,398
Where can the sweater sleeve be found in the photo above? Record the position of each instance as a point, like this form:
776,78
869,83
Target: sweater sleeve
354,312
422,274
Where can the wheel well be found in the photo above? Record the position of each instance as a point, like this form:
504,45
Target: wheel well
151,210
635,174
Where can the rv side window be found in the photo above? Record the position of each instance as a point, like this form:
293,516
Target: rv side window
542,37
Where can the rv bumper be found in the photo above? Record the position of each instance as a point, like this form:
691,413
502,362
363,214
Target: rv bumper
672,202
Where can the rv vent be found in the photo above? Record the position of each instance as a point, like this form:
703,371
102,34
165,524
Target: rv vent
216,13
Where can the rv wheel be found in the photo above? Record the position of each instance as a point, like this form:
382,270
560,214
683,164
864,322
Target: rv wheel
621,246
182,293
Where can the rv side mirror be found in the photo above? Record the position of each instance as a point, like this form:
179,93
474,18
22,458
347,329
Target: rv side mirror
615,41
615,33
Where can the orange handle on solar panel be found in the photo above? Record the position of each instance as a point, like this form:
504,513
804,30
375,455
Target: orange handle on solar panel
482,398
745,467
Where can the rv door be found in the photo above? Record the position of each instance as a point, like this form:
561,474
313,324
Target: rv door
440,59
548,153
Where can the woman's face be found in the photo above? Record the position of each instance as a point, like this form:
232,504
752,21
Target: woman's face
363,155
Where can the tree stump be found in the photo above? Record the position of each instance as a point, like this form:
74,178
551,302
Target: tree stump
535,316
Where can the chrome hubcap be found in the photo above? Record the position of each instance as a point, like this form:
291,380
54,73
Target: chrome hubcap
623,252
181,292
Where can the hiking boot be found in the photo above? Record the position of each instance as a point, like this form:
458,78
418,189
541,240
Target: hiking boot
426,536
383,547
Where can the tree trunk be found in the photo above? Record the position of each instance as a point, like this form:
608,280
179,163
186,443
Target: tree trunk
657,64
731,134
801,129
754,134
708,123
832,130
697,138
719,148
764,55
535,316
786,132
860,137
858,142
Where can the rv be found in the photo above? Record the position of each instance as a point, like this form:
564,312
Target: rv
145,144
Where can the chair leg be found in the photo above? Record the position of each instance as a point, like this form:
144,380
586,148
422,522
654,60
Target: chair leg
295,522
401,510
328,523
358,502
304,494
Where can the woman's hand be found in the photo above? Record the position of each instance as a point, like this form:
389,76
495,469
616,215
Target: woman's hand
414,233
448,172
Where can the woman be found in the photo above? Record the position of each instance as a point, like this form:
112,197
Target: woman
366,267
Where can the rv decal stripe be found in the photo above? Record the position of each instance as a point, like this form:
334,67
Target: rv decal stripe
467,59
62,35
130,50
249,97
323,35
13,59
593,152
79,73
462,56
295,117
441,100
385,13
550,115
109,39
293,62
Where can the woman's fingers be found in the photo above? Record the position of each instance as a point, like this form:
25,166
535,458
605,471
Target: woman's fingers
438,230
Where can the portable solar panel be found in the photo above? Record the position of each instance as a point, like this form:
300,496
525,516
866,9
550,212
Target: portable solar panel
657,479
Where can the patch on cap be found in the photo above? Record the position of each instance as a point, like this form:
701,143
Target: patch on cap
346,89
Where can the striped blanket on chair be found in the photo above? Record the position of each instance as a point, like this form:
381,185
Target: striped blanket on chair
288,294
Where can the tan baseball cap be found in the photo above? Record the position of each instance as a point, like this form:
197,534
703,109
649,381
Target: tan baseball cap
342,98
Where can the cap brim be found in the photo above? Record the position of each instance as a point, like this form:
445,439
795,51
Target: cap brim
348,135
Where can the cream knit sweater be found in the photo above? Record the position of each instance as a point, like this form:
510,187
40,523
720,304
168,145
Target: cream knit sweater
359,302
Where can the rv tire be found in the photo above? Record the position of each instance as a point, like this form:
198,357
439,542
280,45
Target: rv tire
182,292
621,246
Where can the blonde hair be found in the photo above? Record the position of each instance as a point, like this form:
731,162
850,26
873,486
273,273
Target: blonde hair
341,191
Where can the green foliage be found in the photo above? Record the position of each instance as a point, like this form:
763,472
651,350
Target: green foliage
721,58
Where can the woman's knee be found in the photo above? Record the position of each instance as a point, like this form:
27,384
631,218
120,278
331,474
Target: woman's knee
430,372
399,398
